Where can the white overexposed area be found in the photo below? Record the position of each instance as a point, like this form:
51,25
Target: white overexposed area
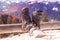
37,35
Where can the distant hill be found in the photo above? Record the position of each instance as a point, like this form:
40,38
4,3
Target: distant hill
52,14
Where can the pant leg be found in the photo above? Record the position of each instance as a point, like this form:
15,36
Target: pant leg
38,24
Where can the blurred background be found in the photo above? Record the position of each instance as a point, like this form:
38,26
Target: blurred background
10,9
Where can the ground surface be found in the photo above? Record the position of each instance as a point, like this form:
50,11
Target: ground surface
17,27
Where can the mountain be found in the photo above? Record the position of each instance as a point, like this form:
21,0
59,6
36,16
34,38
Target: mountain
48,8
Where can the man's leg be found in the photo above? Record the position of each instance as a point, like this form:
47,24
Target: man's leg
23,25
38,25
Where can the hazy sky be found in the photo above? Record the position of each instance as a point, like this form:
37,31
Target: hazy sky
29,0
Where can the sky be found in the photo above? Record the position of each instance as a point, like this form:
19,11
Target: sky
17,1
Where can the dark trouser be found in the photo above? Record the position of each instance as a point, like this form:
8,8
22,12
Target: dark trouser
38,25
37,22
25,23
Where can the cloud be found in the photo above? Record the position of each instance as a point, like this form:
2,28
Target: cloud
46,0
17,1
55,9
2,0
